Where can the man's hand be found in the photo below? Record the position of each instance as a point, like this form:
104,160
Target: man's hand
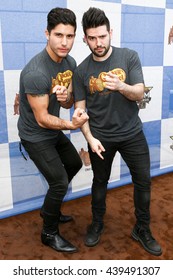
132,92
112,81
170,37
61,93
94,143
16,104
97,147
79,118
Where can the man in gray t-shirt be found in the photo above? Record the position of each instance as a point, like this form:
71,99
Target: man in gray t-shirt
108,83
45,87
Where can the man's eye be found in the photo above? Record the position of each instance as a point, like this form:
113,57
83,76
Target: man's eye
91,38
70,36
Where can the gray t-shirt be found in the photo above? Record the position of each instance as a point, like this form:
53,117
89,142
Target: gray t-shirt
112,117
36,78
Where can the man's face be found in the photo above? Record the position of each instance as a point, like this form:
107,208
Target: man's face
60,41
98,40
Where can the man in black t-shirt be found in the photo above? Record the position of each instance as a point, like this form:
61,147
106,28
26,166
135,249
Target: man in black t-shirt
45,87
108,83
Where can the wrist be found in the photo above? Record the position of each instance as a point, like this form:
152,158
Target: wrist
69,99
89,137
122,87
67,125
69,96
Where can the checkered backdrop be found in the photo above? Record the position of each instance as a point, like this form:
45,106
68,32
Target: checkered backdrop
141,25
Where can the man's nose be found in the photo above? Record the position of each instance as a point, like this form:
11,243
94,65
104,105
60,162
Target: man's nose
64,40
98,42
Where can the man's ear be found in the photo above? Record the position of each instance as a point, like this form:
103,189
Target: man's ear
47,34
111,32
85,40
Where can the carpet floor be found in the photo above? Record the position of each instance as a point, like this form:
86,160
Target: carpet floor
20,234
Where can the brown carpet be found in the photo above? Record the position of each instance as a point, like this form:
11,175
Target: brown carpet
20,235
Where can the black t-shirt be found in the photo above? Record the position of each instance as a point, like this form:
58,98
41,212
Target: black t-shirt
112,117
36,78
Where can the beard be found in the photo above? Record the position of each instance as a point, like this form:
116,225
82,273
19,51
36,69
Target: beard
100,54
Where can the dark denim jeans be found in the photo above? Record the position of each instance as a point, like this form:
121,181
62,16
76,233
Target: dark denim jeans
135,153
58,161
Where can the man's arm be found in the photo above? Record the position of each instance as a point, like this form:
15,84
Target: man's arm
39,105
170,37
134,92
16,104
94,143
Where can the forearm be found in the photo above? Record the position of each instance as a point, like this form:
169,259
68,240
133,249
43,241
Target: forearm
16,104
87,132
48,121
95,145
39,105
85,127
52,122
134,93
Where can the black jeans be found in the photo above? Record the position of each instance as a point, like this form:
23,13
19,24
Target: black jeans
135,153
58,161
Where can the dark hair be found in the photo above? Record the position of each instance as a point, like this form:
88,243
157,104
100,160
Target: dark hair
60,15
94,17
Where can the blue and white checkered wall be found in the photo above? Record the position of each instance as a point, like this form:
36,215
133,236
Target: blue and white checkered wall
142,25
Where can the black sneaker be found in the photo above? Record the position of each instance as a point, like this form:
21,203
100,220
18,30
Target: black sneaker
94,232
146,239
